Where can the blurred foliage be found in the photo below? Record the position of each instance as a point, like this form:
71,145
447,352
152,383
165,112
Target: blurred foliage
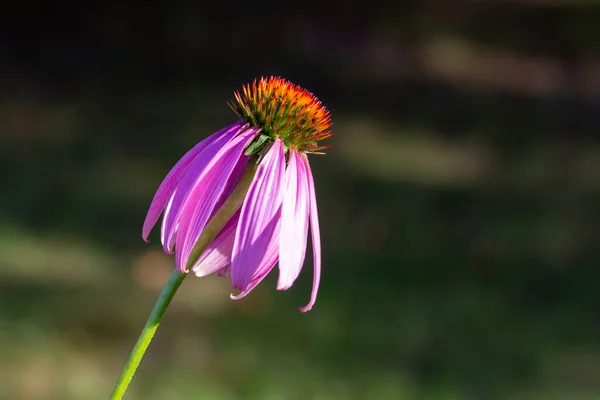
457,202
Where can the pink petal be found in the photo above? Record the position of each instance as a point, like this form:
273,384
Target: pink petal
316,237
189,179
203,195
165,189
260,215
168,210
294,221
217,255
229,186
232,182
271,256
254,282
225,271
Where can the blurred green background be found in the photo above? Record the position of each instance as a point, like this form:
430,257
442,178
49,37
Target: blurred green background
458,201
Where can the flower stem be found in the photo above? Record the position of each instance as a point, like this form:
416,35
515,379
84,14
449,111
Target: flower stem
211,230
147,333
224,214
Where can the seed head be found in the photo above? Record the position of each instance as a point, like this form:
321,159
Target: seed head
283,110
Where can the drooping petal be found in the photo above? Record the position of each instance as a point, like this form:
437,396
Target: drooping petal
218,253
294,221
189,179
168,210
229,186
225,271
259,218
236,174
255,281
316,237
204,193
267,264
165,189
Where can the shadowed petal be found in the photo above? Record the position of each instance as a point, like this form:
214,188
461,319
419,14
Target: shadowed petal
294,221
203,195
165,190
168,210
316,237
229,186
254,282
225,271
259,218
234,179
190,179
236,174
267,264
218,253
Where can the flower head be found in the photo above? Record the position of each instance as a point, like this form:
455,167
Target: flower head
241,200
284,110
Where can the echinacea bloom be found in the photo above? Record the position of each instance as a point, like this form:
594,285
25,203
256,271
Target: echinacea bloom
279,124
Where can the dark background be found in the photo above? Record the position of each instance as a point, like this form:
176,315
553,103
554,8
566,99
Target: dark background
458,202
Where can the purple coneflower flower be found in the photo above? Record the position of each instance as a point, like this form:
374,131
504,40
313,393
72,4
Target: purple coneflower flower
241,200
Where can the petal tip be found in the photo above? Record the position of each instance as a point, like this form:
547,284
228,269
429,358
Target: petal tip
146,233
284,286
305,308
237,296
183,269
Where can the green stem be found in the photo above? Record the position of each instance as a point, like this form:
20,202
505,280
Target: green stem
211,230
147,333
224,214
